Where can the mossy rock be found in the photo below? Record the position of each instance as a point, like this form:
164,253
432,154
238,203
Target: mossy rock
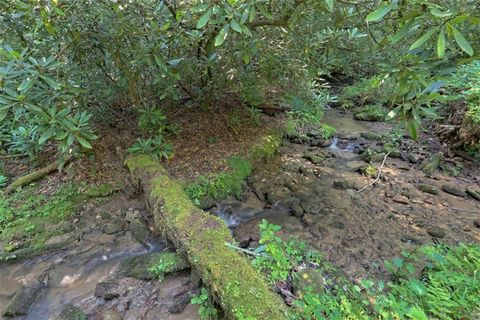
315,158
101,191
432,164
71,313
21,302
153,265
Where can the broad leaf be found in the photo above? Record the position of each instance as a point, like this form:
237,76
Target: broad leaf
441,44
424,38
379,13
202,22
462,42
329,4
236,26
221,36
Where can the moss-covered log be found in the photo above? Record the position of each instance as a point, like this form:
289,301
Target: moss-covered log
232,281
32,177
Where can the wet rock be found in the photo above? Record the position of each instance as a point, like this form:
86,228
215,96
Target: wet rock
180,301
111,315
474,194
343,185
378,157
259,191
453,190
315,158
320,142
274,196
373,136
115,226
306,280
107,290
401,199
355,165
432,164
297,210
140,267
318,231
247,232
368,116
411,240
436,232
139,231
21,302
308,219
413,158
70,312
427,189
206,203
477,223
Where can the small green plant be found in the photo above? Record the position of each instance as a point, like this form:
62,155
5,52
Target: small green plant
206,311
36,217
152,120
327,131
3,181
222,185
153,146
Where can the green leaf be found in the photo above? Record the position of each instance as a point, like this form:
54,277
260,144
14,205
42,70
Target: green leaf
462,42
84,143
424,38
417,314
329,4
441,44
221,36
202,22
236,26
52,83
26,84
379,13
412,127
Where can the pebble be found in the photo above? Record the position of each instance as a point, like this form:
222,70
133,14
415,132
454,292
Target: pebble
401,199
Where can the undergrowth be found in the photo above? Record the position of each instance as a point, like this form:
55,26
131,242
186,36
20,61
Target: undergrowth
29,216
447,286
221,185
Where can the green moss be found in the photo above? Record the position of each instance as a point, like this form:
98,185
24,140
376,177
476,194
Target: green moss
222,185
202,237
266,149
102,190
35,217
153,265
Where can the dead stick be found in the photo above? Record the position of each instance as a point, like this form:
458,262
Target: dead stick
378,175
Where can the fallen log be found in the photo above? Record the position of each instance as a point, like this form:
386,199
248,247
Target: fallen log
239,290
31,177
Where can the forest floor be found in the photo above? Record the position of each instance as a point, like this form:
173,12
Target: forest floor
315,190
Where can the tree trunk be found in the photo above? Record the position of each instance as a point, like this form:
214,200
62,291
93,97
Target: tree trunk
239,290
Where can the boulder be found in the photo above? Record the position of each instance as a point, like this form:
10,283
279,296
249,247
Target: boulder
436,232
21,302
107,290
427,189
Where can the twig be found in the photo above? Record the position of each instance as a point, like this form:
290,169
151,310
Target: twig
13,156
243,250
378,175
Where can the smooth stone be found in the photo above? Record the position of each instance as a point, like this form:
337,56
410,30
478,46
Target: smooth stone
401,199
427,189
107,290
453,190
436,232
